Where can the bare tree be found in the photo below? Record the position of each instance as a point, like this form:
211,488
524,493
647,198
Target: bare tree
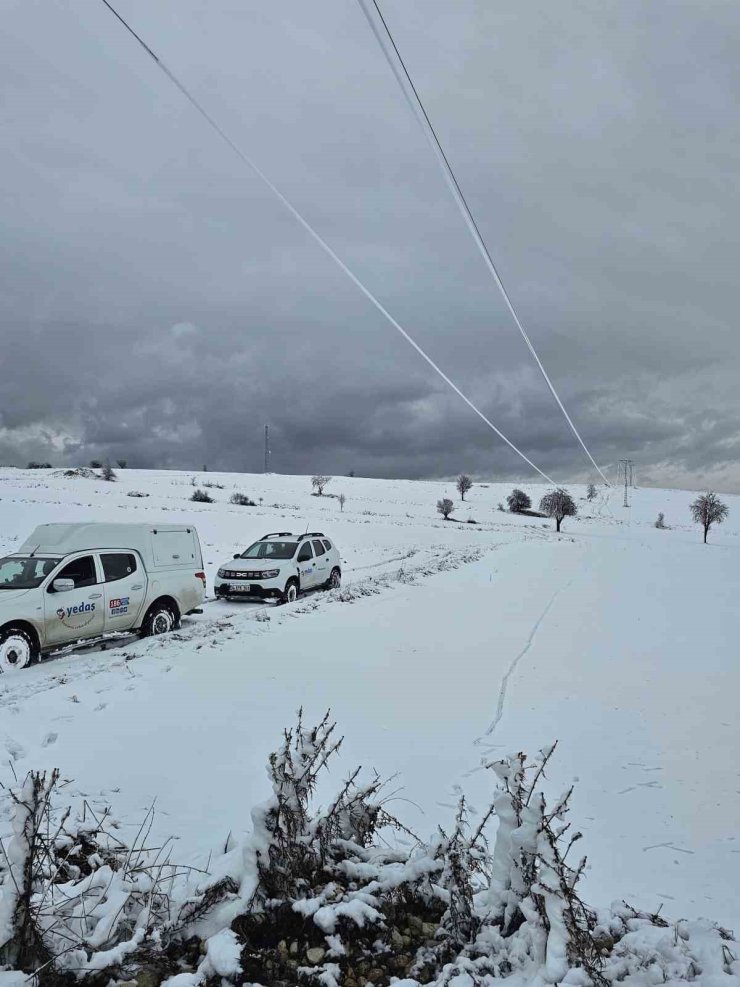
121,463
518,501
707,510
591,491
463,484
445,507
342,501
558,504
318,482
109,473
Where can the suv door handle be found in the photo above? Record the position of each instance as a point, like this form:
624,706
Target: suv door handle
138,586
94,596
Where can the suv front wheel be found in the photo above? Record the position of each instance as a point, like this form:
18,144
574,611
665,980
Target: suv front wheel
291,591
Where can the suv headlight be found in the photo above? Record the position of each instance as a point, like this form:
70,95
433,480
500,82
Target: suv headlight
221,573
270,573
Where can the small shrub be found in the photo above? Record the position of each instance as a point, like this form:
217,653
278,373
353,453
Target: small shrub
33,465
500,507
518,501
342,501
445,507
241,500
201,497
660,523
136,493
591,491
212,485
108,473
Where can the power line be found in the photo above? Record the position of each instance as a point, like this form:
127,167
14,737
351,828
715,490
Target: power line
318,238
398,66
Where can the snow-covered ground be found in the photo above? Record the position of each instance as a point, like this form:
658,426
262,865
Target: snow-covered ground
617,639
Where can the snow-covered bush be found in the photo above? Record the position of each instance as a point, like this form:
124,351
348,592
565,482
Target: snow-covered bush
76,901
591,491
201,497
660,523
334,893
241,500
518,501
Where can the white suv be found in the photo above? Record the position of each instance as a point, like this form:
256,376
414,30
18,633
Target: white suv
280,566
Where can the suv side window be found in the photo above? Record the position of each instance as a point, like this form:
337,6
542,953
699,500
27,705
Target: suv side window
327,545
318,547
80,571
305,553
117,565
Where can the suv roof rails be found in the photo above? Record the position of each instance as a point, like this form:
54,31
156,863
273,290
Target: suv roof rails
277,534
311,534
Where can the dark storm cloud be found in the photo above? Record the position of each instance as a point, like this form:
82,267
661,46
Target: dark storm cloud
158,305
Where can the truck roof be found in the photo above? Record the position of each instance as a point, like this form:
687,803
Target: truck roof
63,539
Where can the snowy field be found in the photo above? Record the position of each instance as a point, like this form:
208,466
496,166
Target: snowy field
616,639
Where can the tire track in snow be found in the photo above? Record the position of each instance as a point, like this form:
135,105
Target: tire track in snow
213,630
512,667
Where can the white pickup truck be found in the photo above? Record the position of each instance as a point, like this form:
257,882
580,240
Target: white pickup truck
69,583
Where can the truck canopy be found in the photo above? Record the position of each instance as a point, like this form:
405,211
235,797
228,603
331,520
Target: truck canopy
159,545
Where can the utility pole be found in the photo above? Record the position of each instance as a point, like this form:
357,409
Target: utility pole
267,447
626,471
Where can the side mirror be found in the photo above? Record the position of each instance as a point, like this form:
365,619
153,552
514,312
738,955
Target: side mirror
63,585
237,556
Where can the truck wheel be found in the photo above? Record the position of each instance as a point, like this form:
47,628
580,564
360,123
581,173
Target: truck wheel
160,619
290,594
17,649
335,579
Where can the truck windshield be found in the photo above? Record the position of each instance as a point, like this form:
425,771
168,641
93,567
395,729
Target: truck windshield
270,550
17,572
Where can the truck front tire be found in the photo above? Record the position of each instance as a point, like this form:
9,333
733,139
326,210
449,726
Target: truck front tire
17,649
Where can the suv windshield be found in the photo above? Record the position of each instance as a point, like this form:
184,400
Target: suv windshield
270,550
25,573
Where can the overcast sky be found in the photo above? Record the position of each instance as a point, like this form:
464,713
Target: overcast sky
158,305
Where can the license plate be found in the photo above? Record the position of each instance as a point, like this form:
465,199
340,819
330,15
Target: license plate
234,588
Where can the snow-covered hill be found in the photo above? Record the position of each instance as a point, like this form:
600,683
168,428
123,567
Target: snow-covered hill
459,642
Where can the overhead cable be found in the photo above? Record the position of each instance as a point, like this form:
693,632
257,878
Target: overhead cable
318,238
390,50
